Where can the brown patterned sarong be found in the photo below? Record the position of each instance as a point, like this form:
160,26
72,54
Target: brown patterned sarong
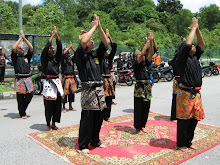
189,105
93,99
108,85
24,85
69,85
143,89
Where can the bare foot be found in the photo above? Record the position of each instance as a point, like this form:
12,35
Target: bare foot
24,117
184,149
54,127
49,128
85,151
72,109
139,132
144,130
193,147
102,146
114,103
64,110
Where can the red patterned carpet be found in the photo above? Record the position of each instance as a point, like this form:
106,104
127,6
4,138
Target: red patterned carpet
124,147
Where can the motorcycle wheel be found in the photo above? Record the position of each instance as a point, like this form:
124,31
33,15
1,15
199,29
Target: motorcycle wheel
215,72
128,80
38,87
169,76
155,78
208,72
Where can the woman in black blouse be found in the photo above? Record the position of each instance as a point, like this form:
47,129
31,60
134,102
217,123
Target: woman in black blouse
52,91
142,91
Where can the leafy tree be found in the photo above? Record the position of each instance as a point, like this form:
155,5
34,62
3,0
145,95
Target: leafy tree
179,25
170,6
8,21
210,16
45,18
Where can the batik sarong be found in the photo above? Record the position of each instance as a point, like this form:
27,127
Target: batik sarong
24,85
189,105
108,86
50,89
93,99
143,89
69,85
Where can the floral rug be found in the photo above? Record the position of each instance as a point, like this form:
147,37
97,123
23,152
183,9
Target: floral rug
124,147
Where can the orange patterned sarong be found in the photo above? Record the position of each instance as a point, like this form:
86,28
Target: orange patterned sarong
69,85
108,85
189,105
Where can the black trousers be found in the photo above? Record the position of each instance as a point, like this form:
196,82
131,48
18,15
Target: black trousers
107,110
23,102
141,111
2,74
173,108
185,132
71,98
90,126
114,83
53,110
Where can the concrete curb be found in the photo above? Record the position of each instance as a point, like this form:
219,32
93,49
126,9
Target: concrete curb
8,95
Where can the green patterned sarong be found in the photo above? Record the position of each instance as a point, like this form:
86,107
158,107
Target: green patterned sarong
143,89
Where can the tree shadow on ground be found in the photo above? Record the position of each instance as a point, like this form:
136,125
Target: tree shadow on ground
39,127
162,117
128,110
163,143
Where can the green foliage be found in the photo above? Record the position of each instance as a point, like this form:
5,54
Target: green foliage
210,16
127,20
7,19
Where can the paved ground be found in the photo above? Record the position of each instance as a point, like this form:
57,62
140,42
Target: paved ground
17,148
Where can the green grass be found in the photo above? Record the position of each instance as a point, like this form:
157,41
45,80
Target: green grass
5,89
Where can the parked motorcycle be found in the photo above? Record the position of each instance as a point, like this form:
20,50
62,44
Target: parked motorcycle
165,72
124,76
38,79
210,69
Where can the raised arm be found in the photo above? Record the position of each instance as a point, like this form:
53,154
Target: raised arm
89,34
200,39
108,36
26,41
149,57
14,48
102,33
141,57
193,28
69,47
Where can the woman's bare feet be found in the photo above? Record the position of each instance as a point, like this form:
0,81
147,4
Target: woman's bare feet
85,151
53,126
49,128
72,109
144,130
114,103
139,132
64,110
184,149
102,146
193,147
24,117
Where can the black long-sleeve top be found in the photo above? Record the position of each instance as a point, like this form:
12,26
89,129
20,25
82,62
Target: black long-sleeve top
140,70
106,62
188,67
67,65
21,63
51,64
88,63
